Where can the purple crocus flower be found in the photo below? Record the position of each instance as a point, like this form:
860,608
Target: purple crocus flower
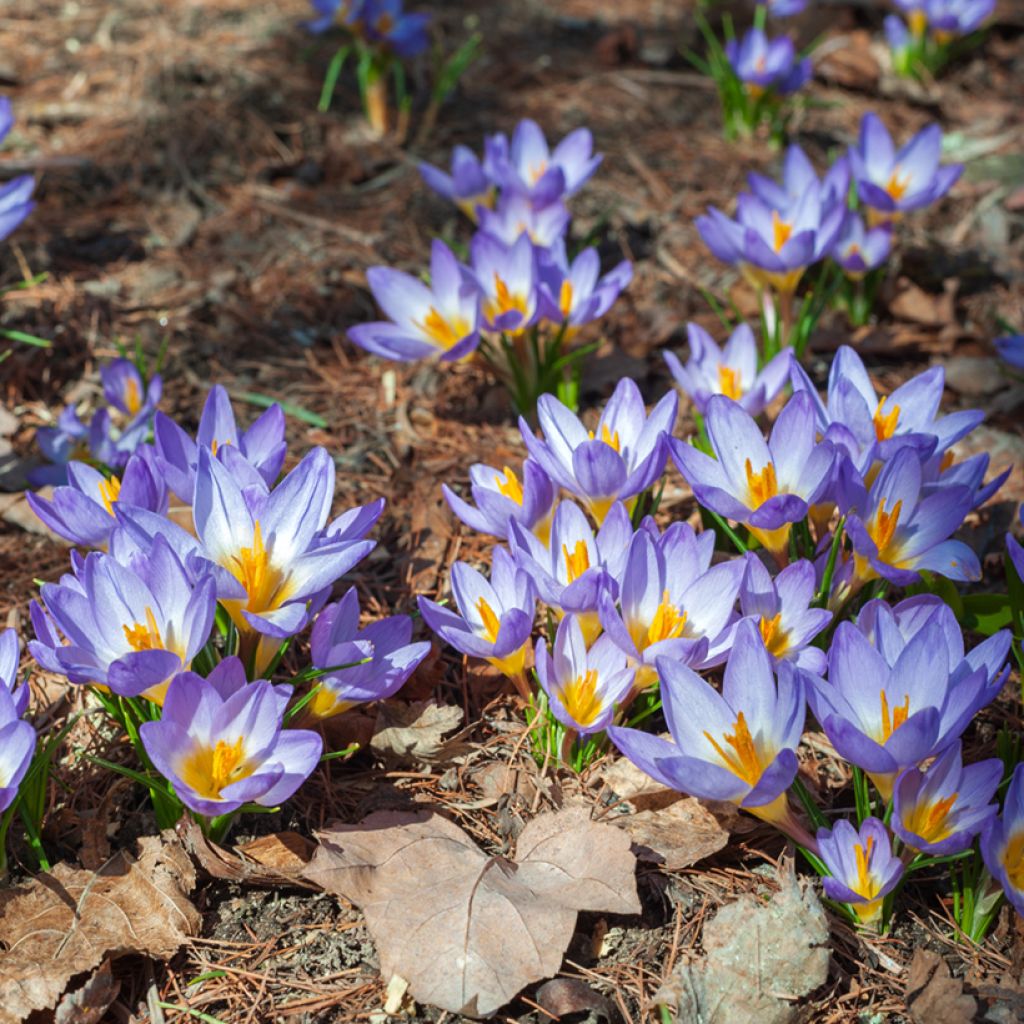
15,195
781,607
127,627
575,566
765,486
872,427
257,453
775,237
494,619
885,718
10,654
114,446
738,745
385,23
543,175
66,442
862,868
901,42
331,12
897,530
891,182
1002,843
468,184
515,215
278,546
616,461
1016,553
583,685
946,19
82,511
501,496
859,249
942,471
673,603
125,390
798,177
440,320
507,277
576,293
890,627
383,646
17,745
762,63
1011,350
939,811
221,744
731,370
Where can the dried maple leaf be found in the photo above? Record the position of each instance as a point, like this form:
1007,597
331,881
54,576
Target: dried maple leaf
466,930
933,995
68,921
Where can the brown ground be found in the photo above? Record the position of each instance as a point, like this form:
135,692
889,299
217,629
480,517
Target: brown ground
190,192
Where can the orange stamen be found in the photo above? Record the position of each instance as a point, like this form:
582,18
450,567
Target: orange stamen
729,382
509,485
899,715
577,562
762,485
580,698
776,639
885,423
781,231
743,761
490,620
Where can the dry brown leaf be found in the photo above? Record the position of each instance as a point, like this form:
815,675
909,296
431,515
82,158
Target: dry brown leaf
853,66
68,921
668,828
15,510
933,996
466,930
564,996
88,1004
283,850
676,836
921,307
221,863
633,784
408,733
761,958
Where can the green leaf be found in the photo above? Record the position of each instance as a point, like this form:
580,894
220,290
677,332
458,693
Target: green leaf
25,339
331,79
931,583
265,402
986,613
455,67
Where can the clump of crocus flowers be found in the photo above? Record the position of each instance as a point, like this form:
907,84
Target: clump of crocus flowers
756,73
204,563
736,635
131,391
381,37
931,33
804,243
518,302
